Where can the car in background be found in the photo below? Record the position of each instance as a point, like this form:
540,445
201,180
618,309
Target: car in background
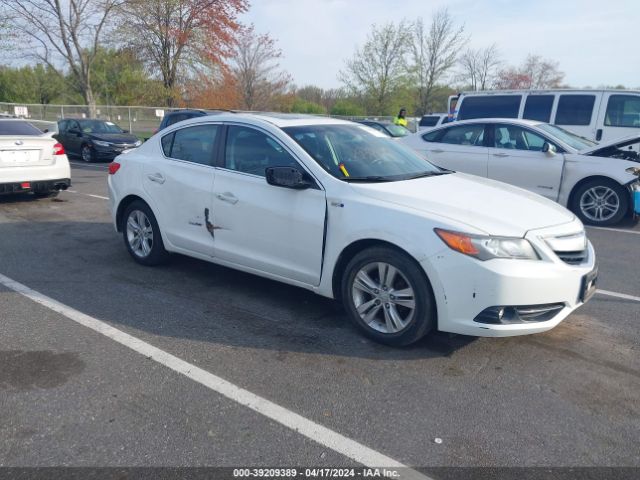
389,129
175,116
336,208
31,161
432,120
93,139
598,182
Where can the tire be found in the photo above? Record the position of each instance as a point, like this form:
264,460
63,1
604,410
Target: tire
600,202
48,194
149,250
87,153
385,317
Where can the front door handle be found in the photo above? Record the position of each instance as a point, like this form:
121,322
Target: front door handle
156,177
598,135
227,197
437,151
500,154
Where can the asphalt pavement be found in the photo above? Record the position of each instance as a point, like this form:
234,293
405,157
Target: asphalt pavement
70,395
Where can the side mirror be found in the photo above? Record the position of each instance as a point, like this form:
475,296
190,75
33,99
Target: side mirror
549,149
288,177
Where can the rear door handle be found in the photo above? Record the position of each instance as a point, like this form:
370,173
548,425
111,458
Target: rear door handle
227,197
500,154
437,151
156,177
598,135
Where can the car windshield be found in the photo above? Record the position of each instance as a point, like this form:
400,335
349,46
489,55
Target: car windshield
570,138
355,153
18,127
98,126
397,130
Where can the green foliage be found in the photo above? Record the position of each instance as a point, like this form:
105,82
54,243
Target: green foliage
303,106
347,108
28,84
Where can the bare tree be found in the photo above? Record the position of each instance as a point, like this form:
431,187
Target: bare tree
175,33
434,54
62,33
479,67
535,73
379,68
256,70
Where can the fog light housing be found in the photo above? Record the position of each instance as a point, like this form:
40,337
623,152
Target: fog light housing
506,315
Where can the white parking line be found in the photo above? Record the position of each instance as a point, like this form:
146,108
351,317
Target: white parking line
88,194
310,429
632,232
618,295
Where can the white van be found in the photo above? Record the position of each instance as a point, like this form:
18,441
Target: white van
600,115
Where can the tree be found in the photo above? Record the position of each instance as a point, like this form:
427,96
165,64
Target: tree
479,67
172,34
255,66
379,68
434,54
535,73
347,108
60,33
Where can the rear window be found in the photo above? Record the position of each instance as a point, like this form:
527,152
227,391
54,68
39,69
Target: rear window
538,107
18,127
431,121
575,109
493,106
623,111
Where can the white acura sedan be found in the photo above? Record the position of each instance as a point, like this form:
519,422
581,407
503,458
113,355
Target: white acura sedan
336,208
599,182
31,161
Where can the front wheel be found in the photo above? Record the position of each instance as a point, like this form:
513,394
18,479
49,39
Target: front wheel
87,153
142,235
388,297
600,202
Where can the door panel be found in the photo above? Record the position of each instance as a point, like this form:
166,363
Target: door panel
619,116
272,229
460,148
517,158
181,188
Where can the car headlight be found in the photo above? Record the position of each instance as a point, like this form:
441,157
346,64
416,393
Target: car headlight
100,143
138,143
485,247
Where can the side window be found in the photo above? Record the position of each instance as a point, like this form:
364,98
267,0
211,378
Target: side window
194,144
73,125
575,109
517,138
490,106
434,136
623,111
251,151
377,127
470,135
167,142
429,121
176,118
538,107
62,126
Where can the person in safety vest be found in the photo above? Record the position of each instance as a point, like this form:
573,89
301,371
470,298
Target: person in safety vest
401,118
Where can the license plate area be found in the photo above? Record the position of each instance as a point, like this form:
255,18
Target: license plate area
589,285
18,158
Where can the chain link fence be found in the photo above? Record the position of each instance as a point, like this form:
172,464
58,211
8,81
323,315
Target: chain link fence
141,121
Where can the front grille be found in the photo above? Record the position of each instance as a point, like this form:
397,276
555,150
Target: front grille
573,258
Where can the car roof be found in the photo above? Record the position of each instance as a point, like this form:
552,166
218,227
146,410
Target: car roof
515,121
281,120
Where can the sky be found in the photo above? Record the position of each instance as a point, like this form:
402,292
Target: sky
596,42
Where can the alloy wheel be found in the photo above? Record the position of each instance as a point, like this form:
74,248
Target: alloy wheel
139,233
599,203
383,297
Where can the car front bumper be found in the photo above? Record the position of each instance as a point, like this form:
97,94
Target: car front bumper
465,288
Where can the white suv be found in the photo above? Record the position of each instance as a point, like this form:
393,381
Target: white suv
336,208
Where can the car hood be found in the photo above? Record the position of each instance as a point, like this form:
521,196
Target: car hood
492,207
617,143
115,137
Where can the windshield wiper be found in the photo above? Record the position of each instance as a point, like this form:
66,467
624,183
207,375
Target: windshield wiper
371,178
429,174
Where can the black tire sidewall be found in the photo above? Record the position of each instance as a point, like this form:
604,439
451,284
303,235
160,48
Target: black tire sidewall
425,314
622,196
159,254
92,154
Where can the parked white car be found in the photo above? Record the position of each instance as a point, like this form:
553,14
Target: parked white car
337,208
596,181
31,161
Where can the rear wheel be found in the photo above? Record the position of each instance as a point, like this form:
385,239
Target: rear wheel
600,202
141,235
388,297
